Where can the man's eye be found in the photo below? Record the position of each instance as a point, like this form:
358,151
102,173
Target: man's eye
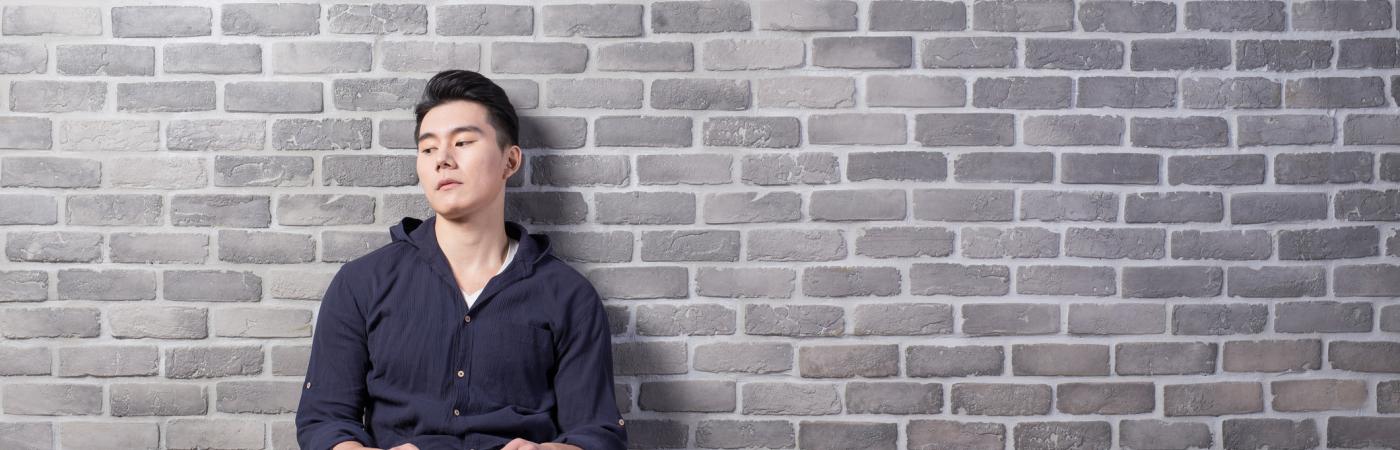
461,143
427,150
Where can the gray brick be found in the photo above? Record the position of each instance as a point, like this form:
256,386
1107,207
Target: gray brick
795,245
830,435
1361,15
963,129
1318,395
1010,319
53,246
744,357
894,242
751,54
1069,130
1236,245
324,209
1334,92
36,20
108,284
323,57
485,20
114,210
893,398
640,131
749,207
709,16
377,94
1180,54
1165,358
105,60
1174,207
1095,281
185,434
963,205
1105,398
224,210
215,135
914,91
1116,319
378,18
1116,243
1033,15
687,320
745,283
589,246
1362,432
247,171
817,92
50,172
369,170
169,96
1388,397
1220,319
213,361
690,245
321,134
1057,206
961,361
215,59
1241,92
262,322
1063,435
1265,207
1282,56
43,96
1269,433
159,322
123,435
1235,16
699,94
593,21
547,207
903,319
1364,356
831,281
1328,243
1126,92
687,396
273,97
108,361
27,209
1161,434
1180,132
657,433
553,132
1276,356
26,323
158,399
265,247
426,56
24,286
794,320
52,399
1017,242
950,435
972,52
856,129
648,208
959,280
345,246
888,15
863,52
818,15
1004,167
1134,17
538,57
647,57
212,286
745,433
610,93
758,132
1369,53
1073,54
158,248
640,282
290,359
999,399
1059,360
1321,168
1212,399
161,21
650,358
271,19
21,58
1216,170
799,399
27,133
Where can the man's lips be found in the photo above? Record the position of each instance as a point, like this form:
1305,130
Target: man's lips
447,184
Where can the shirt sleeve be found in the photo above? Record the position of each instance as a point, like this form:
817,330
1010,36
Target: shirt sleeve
583,383
334,395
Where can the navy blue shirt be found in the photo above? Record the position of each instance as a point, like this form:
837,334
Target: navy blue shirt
397,357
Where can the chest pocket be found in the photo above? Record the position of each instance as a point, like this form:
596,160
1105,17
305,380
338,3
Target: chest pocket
512,363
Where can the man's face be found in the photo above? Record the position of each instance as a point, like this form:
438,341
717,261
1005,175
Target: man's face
461,168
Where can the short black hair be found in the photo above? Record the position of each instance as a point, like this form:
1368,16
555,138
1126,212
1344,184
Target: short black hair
452,85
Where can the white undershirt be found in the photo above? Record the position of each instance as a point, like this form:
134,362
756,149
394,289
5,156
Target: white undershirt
510,254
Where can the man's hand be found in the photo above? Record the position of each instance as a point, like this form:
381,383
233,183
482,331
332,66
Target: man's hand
522,444
353,445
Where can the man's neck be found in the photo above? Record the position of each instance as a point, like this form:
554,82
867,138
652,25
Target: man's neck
473,244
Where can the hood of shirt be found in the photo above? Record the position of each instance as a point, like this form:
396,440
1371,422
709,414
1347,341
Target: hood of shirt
531,251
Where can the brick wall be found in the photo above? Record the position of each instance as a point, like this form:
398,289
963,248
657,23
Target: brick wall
987,224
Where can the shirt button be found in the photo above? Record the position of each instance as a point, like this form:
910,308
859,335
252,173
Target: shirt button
308,385
468,318
619,422
461,374
456,412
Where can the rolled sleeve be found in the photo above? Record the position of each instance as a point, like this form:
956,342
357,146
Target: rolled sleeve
334,394
583,383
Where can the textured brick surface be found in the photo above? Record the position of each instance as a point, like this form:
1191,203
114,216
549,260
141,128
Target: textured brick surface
887,224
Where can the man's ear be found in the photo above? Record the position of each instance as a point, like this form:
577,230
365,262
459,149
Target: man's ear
512,164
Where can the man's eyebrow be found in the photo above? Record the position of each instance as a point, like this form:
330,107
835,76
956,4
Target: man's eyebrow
461,129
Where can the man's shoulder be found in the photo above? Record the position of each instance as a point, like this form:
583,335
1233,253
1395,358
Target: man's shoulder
382,260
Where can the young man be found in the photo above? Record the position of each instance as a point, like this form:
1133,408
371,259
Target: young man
465,332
